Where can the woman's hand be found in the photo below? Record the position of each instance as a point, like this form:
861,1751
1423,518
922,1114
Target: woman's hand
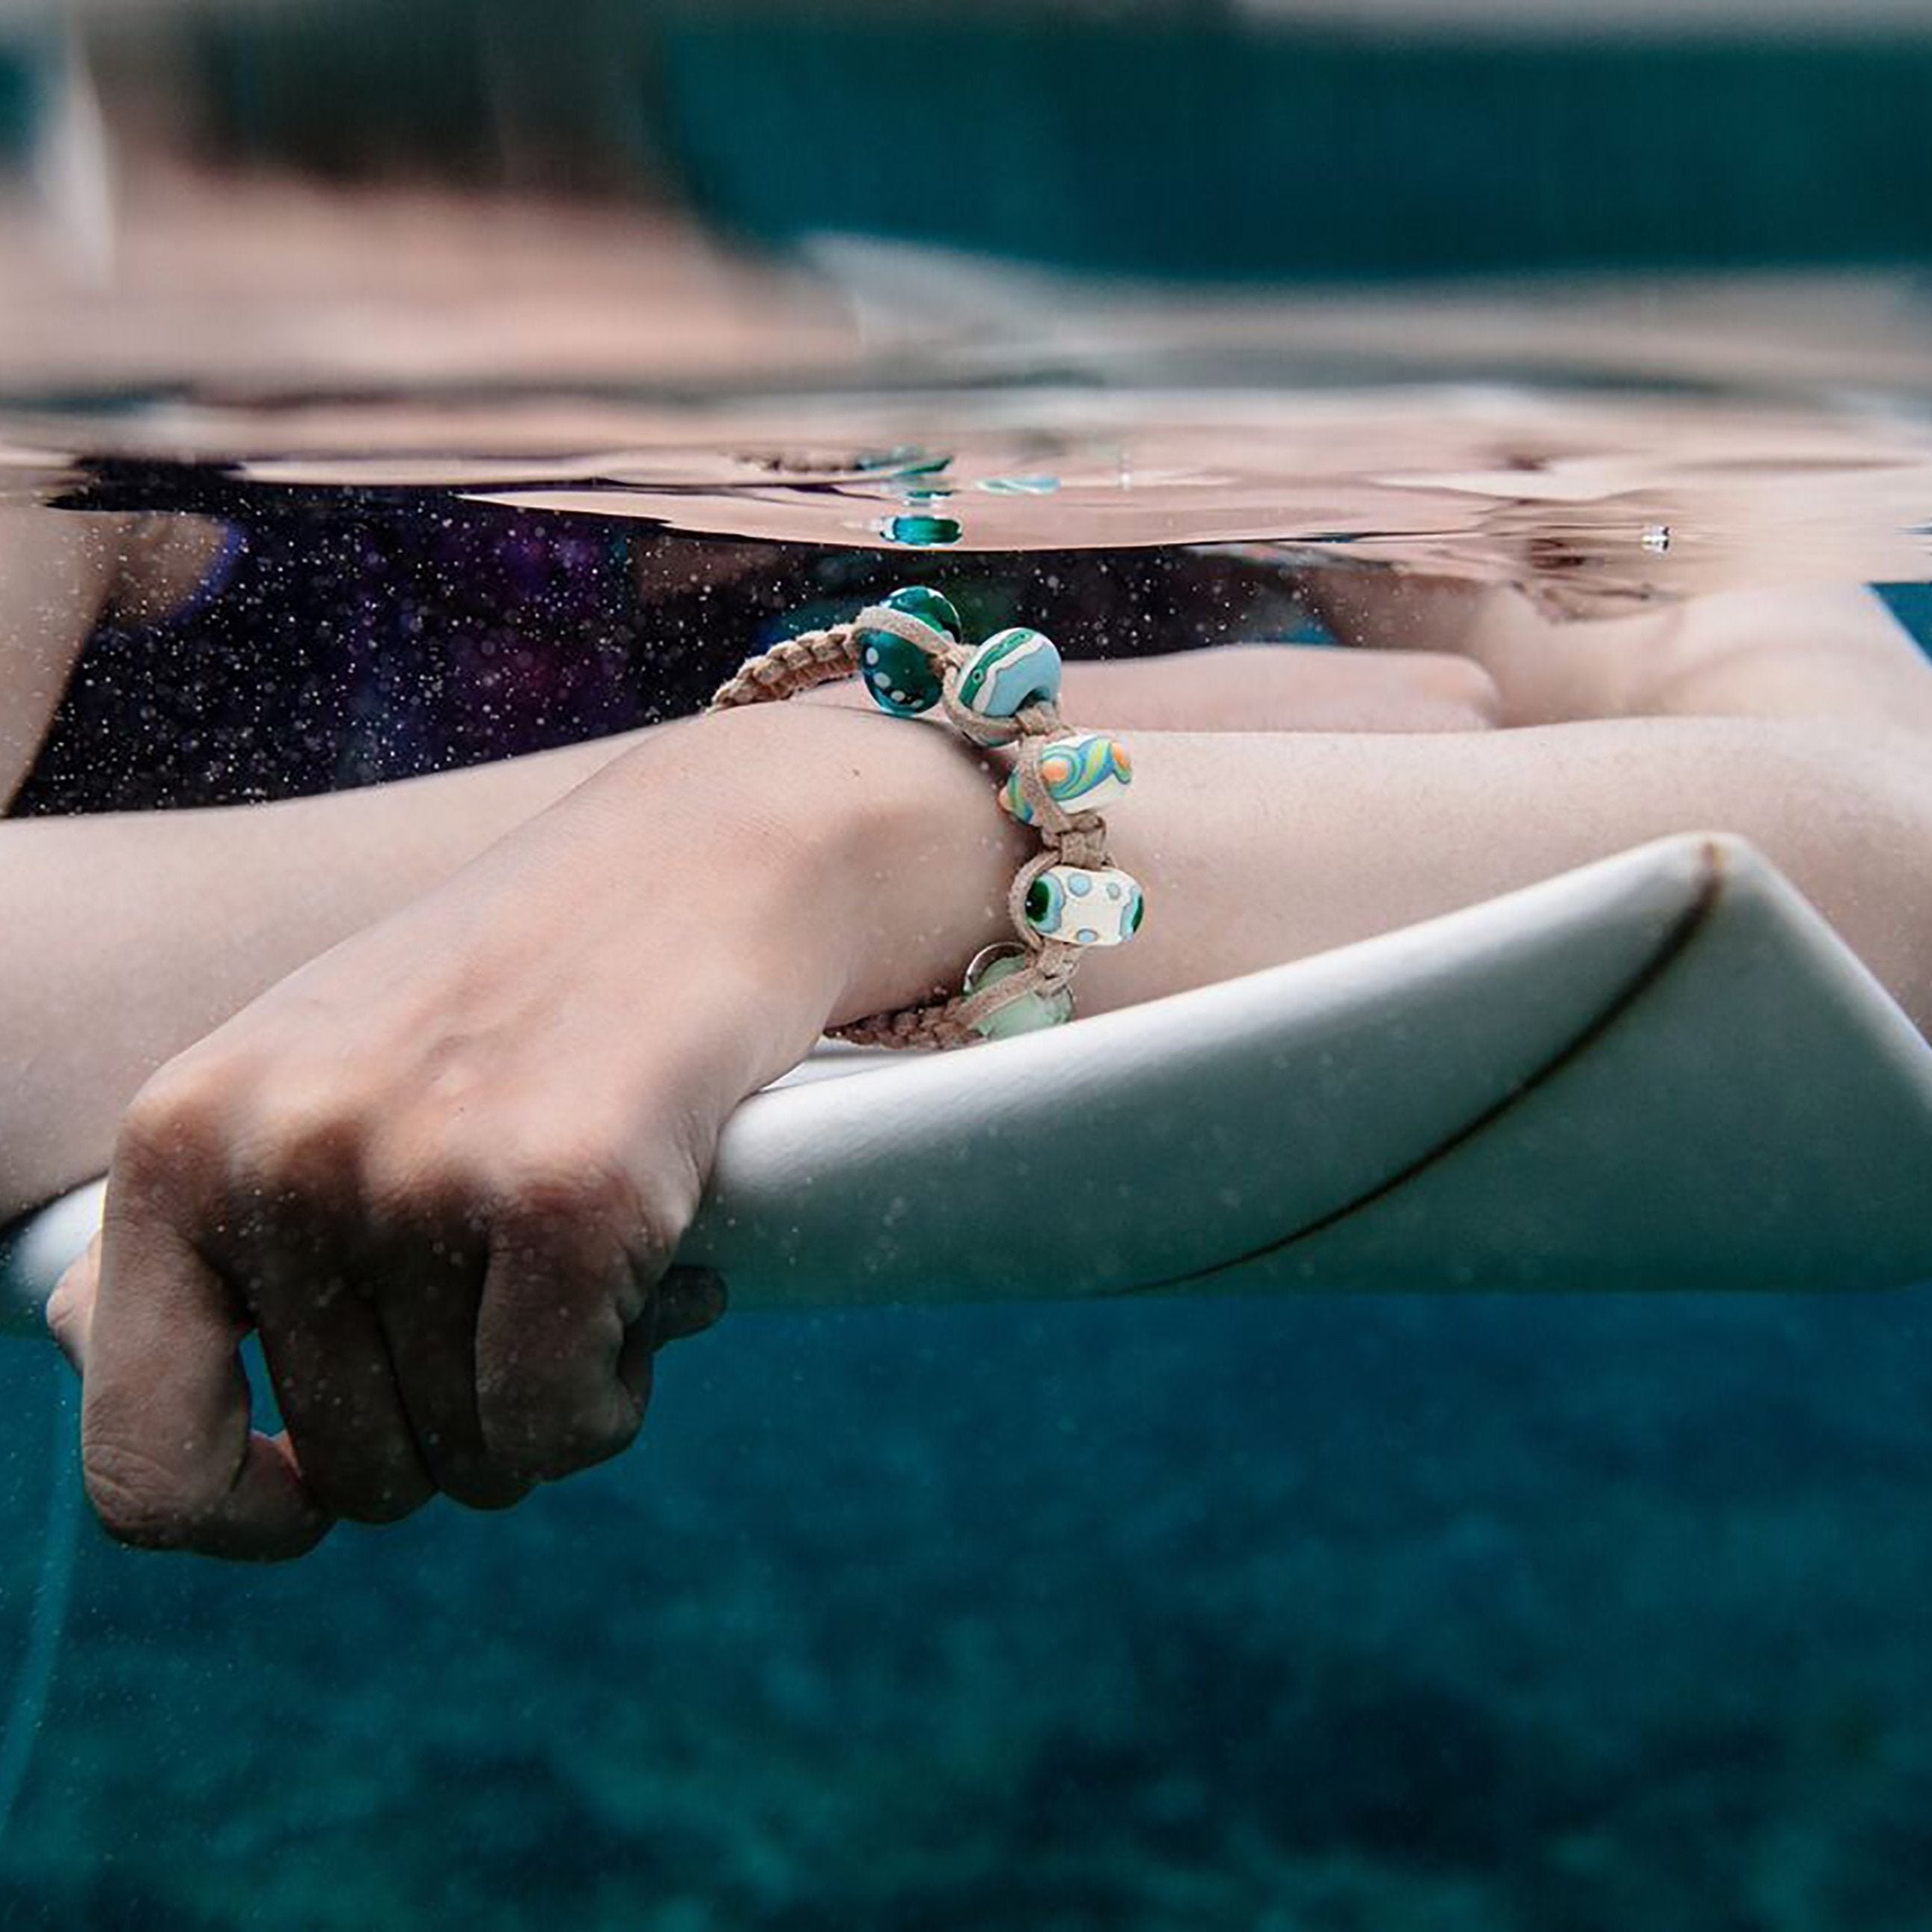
442,1170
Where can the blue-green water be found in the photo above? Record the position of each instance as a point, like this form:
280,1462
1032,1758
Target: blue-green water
1553,1616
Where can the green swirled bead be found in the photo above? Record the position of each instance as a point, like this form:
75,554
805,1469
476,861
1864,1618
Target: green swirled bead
1085,771
901,676
1012,670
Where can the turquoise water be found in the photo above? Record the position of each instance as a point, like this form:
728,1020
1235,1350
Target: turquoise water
1342,1613
18,95
1356,1615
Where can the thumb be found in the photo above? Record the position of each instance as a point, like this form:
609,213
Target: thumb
70,1310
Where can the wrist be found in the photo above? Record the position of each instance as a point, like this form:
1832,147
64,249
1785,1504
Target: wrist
925,857
855,861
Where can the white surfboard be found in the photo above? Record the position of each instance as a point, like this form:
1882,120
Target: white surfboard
1663,1071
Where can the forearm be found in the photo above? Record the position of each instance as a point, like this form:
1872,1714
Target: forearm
1256,849
56,573
128,937
1833,651
495,1110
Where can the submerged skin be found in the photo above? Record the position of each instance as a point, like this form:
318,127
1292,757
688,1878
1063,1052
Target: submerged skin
275,885
442,1167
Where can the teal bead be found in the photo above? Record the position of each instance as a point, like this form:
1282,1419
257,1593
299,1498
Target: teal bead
1032,1012
901,677
931,610
1012,670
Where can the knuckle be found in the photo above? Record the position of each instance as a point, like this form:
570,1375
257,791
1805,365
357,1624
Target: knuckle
584,1447
414,1175
358,1486
560,1181
478,1485
540,1444
305,1132
549,1404
386,1503
177,1113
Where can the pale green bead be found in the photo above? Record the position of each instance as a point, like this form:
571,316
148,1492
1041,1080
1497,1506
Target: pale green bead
1032,1013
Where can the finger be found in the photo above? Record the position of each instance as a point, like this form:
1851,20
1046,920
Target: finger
70,1306
686,1301
170,1459
428,1311
561,1292
329,1361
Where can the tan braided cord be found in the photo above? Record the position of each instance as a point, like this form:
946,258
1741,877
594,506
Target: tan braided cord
815,658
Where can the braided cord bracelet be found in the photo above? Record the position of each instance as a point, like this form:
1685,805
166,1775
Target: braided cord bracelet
908,652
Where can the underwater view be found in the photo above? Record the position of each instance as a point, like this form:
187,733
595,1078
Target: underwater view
1412,1414
1353,1610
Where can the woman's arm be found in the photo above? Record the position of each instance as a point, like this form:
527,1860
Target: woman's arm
56,573
442,1167
133,935
1799,652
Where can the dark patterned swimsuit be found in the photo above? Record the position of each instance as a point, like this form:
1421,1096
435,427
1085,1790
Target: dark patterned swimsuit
330,647
345,638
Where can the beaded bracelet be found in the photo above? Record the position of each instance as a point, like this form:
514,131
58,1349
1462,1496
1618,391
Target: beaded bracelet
908,653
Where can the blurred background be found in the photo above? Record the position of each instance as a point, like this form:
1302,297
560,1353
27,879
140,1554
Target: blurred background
896,170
